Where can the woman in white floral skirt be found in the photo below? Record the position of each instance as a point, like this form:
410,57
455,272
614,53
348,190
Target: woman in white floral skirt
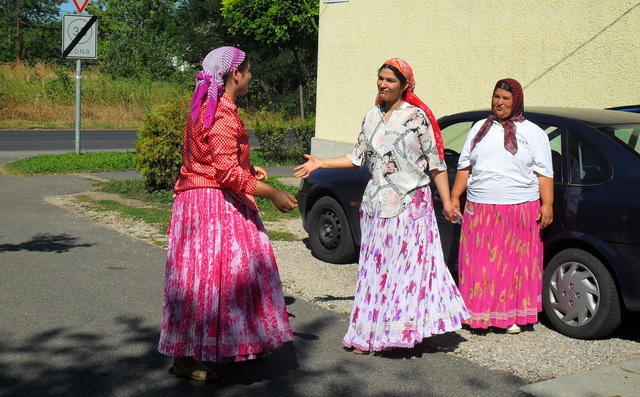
404,290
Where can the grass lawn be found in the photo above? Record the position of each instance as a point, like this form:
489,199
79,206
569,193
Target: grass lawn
158,204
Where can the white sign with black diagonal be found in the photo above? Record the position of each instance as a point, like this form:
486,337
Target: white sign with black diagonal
79,36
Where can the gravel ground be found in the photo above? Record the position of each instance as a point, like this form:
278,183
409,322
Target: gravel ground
536,354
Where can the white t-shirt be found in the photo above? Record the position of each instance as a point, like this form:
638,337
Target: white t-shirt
499,177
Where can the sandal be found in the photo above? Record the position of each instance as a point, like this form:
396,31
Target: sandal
197,371
362,352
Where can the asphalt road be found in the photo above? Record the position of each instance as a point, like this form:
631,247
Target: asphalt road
80,315
64,141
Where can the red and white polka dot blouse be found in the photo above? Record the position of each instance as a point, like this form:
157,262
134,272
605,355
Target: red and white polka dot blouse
218,156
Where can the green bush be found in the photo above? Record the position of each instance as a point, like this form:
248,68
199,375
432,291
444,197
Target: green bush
284,140
159,146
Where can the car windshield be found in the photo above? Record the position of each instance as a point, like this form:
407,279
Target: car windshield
628,134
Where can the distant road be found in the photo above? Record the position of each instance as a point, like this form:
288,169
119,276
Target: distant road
43,141
63,141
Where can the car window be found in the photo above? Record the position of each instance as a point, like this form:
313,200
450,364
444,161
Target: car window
454,135
555,141
628,134
587,164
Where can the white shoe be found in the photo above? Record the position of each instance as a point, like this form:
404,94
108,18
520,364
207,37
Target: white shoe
514,329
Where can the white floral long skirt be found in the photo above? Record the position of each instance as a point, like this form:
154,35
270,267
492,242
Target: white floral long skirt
404,291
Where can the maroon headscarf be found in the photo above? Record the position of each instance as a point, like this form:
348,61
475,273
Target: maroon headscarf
404,68
510,141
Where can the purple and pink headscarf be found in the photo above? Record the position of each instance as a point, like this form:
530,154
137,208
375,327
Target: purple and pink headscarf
209,83
404,68
510,141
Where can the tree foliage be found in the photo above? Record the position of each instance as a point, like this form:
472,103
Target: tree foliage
279,24
284,23
137,38
166,40
40,30
201,28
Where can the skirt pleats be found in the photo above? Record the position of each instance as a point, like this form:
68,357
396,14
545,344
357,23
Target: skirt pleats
500,264
223,296
404,290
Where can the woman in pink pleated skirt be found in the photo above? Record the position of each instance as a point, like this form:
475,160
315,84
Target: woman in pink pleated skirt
223,299
505,167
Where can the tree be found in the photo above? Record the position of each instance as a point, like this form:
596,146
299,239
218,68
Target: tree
290,24
30,30
201,28
137,37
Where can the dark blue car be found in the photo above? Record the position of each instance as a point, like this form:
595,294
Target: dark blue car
592,249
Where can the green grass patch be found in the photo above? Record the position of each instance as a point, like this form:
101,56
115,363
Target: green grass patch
70,163
276,235
156,216
136,189
158,212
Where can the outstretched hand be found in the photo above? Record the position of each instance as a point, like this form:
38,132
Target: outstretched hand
284,201
304,170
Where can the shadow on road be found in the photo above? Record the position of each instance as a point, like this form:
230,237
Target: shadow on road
45,242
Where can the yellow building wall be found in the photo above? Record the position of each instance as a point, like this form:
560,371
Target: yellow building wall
574,53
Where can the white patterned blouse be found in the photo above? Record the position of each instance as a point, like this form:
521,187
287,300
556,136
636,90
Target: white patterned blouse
399,155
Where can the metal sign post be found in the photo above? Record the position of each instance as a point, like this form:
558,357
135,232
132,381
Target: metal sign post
79,41
78,102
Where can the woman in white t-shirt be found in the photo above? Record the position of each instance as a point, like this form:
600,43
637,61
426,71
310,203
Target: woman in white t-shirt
505,166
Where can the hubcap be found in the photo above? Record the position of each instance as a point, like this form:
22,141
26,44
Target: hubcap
574,294
329,229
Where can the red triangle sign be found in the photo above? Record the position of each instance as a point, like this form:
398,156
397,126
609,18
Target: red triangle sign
81,8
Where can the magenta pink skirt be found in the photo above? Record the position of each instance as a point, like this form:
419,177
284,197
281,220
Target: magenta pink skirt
223,297
500,264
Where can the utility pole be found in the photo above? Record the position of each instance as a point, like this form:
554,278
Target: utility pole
18,32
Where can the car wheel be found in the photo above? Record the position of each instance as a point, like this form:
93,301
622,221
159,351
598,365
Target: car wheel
579,295
329,232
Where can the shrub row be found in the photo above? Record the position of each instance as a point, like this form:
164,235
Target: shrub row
282,139
158,150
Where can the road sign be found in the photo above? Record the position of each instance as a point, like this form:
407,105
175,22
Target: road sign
80,8
79,36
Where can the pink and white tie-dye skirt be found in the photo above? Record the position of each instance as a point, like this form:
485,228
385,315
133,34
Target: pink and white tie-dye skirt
223,298
500,264
404,291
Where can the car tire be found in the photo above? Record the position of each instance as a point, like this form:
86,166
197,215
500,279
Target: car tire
330,235
579,295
